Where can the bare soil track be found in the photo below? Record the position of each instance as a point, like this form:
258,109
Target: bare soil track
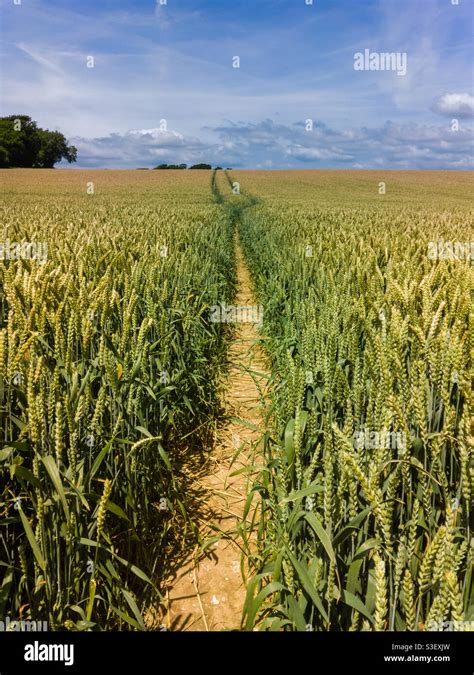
206,591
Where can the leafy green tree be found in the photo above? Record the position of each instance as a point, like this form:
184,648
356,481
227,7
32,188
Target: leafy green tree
23,144
171,166
53,149
4,156
19,140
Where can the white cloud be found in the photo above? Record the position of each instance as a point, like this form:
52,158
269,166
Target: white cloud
455,105
308,154
163,137
39,59
397,146
138,147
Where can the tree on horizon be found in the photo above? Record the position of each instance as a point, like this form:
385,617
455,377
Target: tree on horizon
23,144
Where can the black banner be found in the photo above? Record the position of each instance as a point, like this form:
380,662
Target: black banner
437,652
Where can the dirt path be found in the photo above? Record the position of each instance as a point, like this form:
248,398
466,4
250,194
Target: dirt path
207,591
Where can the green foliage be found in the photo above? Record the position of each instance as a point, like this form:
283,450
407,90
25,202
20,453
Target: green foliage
109,366
364,331
171,166
25,145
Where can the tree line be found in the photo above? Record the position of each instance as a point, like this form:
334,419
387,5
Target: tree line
185,166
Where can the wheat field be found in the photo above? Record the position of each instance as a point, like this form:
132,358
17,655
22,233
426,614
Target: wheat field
108,365
360,515
366,497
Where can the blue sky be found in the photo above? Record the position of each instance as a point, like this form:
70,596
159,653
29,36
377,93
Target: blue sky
174,62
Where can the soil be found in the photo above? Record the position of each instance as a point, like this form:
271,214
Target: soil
206,591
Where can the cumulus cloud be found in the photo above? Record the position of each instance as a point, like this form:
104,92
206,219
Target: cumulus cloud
138,147
264,144
455,105
397,146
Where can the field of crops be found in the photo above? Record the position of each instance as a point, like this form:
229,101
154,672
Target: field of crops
360,516
366,497
108,373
